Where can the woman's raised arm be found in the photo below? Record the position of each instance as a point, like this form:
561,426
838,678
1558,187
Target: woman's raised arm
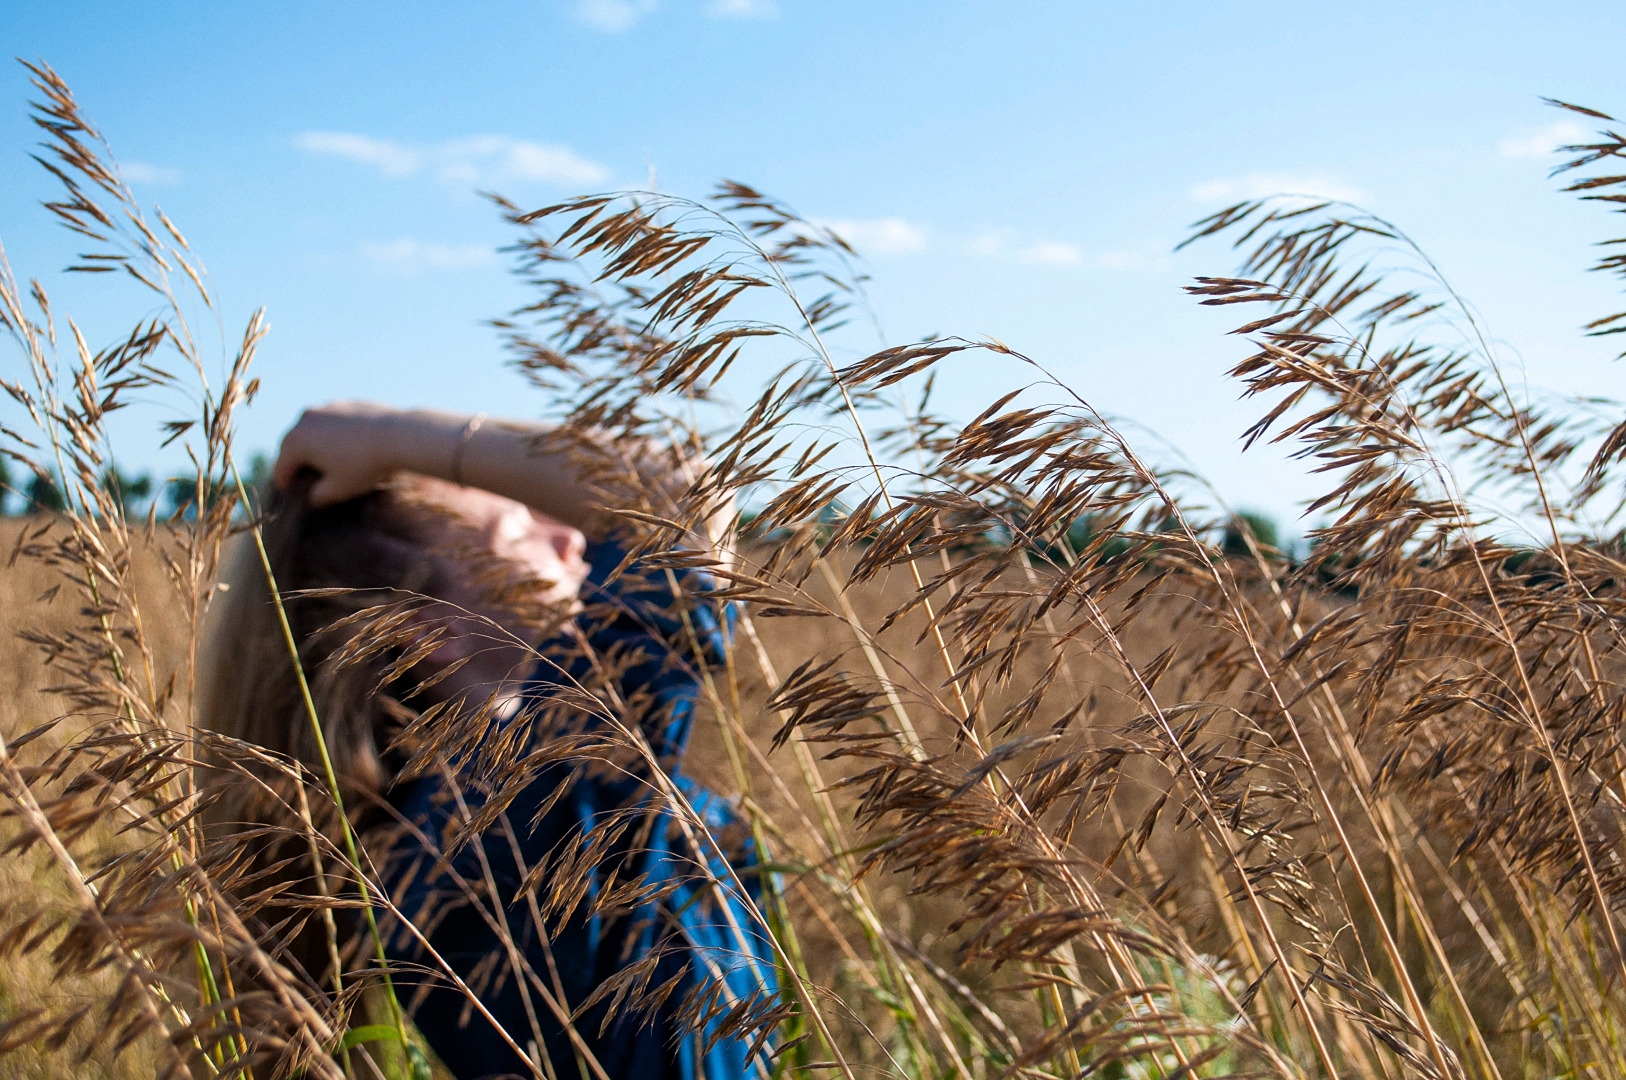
355,444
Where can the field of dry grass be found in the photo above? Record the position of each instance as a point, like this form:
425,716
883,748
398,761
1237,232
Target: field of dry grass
32,600
1055,783
1170,865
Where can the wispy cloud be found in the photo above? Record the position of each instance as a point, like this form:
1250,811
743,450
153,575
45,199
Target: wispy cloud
1545,141
501,157
898,236
408,256
1133,260
742,9
880,236
1262,185
139,172
1059,254
613,16
1051,253
475,160
390,158
989,243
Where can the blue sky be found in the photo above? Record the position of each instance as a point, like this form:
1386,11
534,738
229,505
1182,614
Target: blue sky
1020,170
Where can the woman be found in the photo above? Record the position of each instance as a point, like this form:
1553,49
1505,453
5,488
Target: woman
522,729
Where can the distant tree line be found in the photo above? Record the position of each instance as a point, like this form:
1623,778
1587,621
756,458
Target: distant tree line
1233,540
1240,537
25,491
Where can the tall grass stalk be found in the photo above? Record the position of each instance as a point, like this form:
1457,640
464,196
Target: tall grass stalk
1054,768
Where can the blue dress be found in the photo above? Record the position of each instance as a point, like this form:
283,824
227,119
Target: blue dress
693,940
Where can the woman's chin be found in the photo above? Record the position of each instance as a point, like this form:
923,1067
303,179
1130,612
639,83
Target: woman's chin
476,686
505,703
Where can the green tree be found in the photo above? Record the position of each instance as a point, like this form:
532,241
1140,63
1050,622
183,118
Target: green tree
44,494
258,476
1084,531
126,489
180,496
1259,526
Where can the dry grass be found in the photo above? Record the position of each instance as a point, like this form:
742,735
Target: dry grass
1132,806
27,599
830,956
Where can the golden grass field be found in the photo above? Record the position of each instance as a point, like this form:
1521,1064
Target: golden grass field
32,599
1077,778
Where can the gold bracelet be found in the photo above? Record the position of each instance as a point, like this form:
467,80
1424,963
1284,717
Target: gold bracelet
475,423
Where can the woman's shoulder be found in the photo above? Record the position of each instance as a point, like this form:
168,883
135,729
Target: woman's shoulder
662,592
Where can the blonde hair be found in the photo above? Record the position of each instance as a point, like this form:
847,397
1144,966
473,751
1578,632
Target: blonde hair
332,565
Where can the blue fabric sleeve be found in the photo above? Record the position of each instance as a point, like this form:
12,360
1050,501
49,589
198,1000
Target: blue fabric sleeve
700,940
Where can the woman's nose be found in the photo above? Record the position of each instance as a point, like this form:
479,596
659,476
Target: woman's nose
568,543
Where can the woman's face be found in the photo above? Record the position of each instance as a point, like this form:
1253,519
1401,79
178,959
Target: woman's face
501,569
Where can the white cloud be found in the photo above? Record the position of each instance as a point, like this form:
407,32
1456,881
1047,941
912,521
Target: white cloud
391,158
1005,244
488,158
1316,186
879,236
138,172
1545,141
1130,260
477,160
988,243
408,256
742,9
1051,253
613,16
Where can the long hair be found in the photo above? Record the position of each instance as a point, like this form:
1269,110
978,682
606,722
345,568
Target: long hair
334,567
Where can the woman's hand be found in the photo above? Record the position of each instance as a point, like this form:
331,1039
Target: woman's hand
353,445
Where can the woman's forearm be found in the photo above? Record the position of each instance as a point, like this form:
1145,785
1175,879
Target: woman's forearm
507,457
499,455
354,445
